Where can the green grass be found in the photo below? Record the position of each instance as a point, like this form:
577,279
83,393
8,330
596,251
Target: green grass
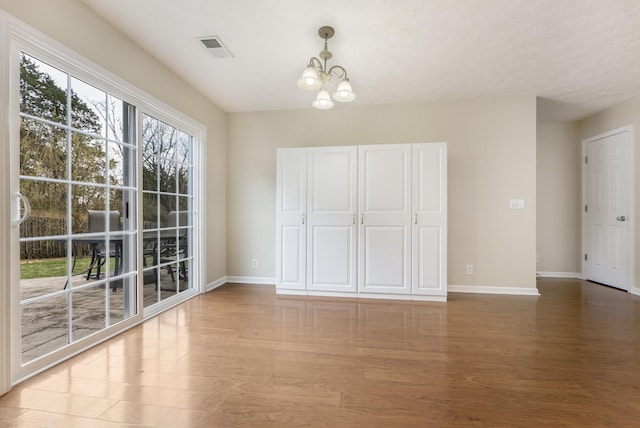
45,268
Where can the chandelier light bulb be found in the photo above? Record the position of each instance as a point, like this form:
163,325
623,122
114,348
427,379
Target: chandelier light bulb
323,100
344,93
310,80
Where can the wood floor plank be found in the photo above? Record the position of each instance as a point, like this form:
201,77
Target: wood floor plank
37,419
243,356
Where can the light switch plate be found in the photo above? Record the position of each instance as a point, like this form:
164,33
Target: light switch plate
516,204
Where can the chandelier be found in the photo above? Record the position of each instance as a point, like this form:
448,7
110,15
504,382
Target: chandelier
317,76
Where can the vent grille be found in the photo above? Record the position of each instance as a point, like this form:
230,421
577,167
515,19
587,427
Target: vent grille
215,46
211,43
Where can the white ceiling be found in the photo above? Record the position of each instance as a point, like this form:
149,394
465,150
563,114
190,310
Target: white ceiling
578,56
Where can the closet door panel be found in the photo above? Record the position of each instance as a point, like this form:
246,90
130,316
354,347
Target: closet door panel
384,199
429,273
429,260
291,236
330,257
292,251
331,228
386,260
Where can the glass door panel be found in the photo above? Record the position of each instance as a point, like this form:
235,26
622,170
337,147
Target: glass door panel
167,210
78,248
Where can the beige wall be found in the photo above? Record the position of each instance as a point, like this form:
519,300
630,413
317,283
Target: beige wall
492,158
77,27
623,114
558,198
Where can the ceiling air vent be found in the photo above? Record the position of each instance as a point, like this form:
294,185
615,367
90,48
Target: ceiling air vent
216,47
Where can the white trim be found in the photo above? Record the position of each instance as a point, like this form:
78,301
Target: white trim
215,284
405,297
313,293
481,289
575,275
634,291
291,292
199,247
422,298
251,280
630,202
5,214
516,291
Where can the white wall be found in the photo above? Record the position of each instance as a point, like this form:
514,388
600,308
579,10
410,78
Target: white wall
492,158
623,114
77,27
558,199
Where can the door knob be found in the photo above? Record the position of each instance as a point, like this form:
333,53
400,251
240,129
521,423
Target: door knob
621,218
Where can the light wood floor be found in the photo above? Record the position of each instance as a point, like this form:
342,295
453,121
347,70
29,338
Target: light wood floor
240,356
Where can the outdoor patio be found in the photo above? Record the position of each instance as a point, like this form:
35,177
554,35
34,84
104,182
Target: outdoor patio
45,323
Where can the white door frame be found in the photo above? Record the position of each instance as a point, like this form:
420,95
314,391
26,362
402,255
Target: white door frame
5,221
630,200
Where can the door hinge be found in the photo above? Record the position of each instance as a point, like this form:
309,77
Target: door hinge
586,159
586,209
586,257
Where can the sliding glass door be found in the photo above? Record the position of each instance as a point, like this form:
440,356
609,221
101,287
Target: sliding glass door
167,207
77,171
105,185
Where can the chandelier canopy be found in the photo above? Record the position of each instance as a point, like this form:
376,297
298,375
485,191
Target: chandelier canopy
317,76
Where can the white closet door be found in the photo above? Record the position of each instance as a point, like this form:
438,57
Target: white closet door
384,199
291,236
331,210
430,219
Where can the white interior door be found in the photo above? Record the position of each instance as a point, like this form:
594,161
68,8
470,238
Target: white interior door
429,202
331,212
291,202
607,210
384,199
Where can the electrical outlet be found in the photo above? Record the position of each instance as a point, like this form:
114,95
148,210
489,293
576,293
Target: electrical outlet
469,269
537,258
254,263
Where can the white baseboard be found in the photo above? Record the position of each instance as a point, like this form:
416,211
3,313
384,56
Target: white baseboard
420,298
414,297
409,297
331,294
215,284
635,290
518,291
291,292
252,280
573,275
